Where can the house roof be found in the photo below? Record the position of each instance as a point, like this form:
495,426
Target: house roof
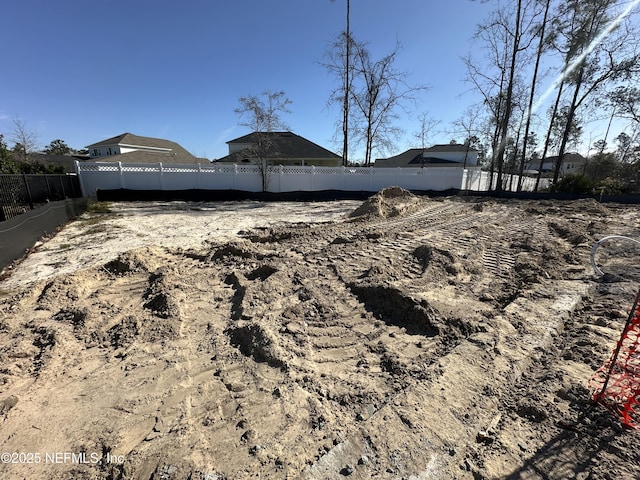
428,156
140,156
419,160
450,148
285,145
407,157
414,155
175,150
134,140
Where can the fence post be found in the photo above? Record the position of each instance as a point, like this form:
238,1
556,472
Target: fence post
235,176
198,183
46,180
64,193
370,178
313,174
3,217
26,187
79,174
121,178
161,176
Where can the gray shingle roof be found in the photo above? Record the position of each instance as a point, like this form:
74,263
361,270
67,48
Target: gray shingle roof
414,156
134,140
284,145
403,158
450,148
177,152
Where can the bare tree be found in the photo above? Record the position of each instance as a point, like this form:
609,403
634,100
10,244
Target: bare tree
262,115
338,62
532,89
469,125
379,90
346,85
505,38
625,102
426,125
25,140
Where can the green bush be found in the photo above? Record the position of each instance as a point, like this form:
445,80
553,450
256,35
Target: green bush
612,186
573,183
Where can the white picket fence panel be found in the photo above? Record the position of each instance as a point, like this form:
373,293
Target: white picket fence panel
249,178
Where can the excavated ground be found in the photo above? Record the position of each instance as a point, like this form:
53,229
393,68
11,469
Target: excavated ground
417,338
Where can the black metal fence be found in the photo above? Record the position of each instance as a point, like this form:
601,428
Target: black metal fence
20,193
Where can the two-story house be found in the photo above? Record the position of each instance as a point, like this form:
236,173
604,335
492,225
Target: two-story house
130,148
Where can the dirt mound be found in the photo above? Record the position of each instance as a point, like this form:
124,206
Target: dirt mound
256,342
387,203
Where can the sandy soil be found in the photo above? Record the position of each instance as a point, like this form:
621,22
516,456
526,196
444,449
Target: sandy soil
417,338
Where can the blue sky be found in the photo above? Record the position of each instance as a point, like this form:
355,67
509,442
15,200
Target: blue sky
87,70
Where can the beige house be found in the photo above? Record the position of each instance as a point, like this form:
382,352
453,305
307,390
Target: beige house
130,148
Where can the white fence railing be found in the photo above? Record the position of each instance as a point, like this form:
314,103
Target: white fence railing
251,178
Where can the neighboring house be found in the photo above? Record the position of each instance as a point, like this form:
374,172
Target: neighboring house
572,163
437,156
284,148
130,148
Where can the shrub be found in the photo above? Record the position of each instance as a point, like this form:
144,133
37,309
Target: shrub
573,183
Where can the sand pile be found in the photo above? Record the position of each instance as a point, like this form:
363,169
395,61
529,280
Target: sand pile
387,203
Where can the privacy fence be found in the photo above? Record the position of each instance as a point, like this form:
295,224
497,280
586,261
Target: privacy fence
21,193
280,179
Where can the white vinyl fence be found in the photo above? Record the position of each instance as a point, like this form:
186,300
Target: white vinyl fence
480,181
278,179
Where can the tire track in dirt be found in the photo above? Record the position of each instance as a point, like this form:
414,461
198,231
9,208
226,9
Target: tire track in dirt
386,345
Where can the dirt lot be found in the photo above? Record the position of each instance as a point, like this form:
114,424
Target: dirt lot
419,339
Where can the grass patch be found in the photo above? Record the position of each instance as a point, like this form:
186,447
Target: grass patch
85,222
99,207
95,229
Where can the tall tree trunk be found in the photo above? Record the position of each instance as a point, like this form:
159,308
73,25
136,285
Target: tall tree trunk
347,93
509,98
547,140
567,129
534,80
